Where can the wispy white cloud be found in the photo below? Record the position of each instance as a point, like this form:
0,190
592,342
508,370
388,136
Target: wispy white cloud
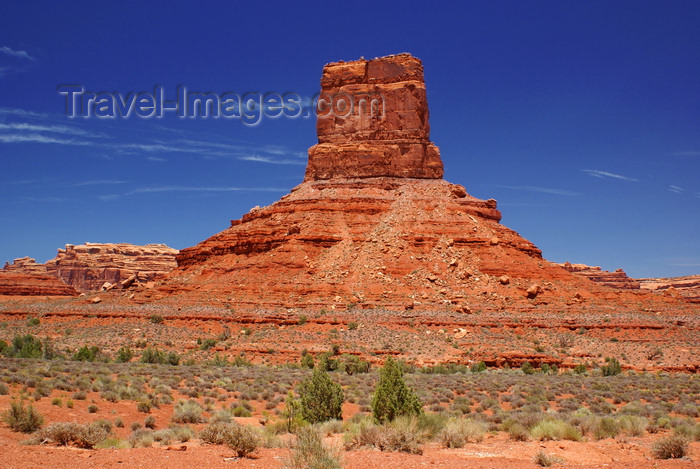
676,189
270,160
44,199
31,127
142,190
198,189
270,154
543,190
61,129
21,112
98,182
21,54
605,174
39,138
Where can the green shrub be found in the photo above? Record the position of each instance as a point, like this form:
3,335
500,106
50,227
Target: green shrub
187,412
71,433
689,430
580,369
545,460
173,359
144,406
352,364
207,344
321,398
352,325
239,438
302,319
611,368
478,367
150,422
671,447
527,368
141,438
517,432
392,397
457,432
92,408
4,390
31,322
112,443
403,434
22,419
555,430
124,355
307,360
240,411
309,452
87,354
26,346
606,427
633,425
156,319
292,413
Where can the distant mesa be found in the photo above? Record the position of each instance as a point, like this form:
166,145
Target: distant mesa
682,287
616,279
89,266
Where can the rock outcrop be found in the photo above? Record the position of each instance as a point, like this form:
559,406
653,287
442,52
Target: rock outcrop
373,122
685,287
373,223
25,265
617,279
13,283
88,266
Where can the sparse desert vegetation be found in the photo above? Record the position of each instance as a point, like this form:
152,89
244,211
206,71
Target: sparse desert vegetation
442,408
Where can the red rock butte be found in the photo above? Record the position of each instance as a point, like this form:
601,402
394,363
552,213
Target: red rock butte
373,121
373,223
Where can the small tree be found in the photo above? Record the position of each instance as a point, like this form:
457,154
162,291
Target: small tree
612,367
392,398
22,419
124,354
321,398
292,412
307,360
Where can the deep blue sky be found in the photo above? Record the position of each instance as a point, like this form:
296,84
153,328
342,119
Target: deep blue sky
581,118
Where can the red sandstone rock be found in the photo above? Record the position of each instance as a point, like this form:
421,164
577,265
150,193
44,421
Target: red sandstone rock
686,287
87,267
27,284
383,129
373,223
617,279
25,265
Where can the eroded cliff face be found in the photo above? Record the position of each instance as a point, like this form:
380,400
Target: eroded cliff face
14,283
88,266
617,279
25,265
373,122
682,287
373,223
